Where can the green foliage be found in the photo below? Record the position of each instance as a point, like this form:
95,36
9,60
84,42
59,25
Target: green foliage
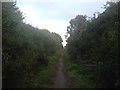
26,49
81,76
95,42
45,78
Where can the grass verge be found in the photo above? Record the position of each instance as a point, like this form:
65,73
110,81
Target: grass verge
44,79
80,75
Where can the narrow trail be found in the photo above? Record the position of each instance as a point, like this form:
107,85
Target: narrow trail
61,80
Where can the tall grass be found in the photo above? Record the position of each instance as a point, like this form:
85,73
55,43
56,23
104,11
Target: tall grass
80,75
45,77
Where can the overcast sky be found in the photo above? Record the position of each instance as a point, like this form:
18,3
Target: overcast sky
55,15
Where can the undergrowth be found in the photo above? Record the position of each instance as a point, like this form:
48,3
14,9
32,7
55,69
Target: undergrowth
81,75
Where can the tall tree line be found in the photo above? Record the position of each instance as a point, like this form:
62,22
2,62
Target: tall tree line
95,42
25,49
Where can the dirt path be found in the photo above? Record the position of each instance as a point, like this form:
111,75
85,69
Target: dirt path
61,81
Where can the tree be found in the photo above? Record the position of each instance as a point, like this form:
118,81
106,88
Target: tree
95,42
25,48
